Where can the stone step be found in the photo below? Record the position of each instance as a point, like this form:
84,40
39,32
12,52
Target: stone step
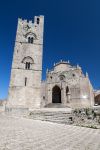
55,105
58,116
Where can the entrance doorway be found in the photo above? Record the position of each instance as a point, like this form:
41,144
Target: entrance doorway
56,95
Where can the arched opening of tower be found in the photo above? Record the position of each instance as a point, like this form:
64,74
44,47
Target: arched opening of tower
27,65
30,40
56,95
28,61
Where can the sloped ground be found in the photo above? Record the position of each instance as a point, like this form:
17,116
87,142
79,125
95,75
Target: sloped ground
18,133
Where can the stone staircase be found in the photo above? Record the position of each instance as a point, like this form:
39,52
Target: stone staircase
55,105
57,115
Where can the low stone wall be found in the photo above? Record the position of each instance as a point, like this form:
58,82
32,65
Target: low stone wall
87,117
17,111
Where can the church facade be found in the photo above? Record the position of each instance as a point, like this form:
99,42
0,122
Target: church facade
65,84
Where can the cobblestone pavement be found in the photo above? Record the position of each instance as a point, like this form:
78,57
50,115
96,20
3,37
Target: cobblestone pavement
27,134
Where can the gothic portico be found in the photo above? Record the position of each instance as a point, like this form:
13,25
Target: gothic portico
67,85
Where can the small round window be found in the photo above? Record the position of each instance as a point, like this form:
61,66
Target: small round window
62,77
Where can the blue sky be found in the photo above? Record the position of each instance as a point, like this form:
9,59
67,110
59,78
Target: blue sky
71,32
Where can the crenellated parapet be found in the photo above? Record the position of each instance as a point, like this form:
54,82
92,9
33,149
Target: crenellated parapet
30,29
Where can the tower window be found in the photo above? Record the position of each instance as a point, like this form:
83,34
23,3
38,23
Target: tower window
30,40
28,62
25,81
27,65
38,20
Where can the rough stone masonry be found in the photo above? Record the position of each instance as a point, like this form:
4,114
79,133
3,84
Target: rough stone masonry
25,82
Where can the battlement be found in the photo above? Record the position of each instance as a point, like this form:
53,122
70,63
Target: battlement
62,62
33,28
37,20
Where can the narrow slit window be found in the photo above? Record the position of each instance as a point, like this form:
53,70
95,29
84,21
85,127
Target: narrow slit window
25,81
32,40
29,65
38,20
67,90
26,65
29,40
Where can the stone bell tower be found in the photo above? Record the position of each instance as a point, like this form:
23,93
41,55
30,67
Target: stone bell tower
25,82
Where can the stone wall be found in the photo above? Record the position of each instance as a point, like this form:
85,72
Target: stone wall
25,82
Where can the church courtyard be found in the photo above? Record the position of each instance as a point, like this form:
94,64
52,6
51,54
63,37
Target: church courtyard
18,133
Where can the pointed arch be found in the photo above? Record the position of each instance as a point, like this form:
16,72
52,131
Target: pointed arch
28,61
56,94
31,34
31,37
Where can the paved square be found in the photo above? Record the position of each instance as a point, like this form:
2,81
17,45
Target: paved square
27,134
